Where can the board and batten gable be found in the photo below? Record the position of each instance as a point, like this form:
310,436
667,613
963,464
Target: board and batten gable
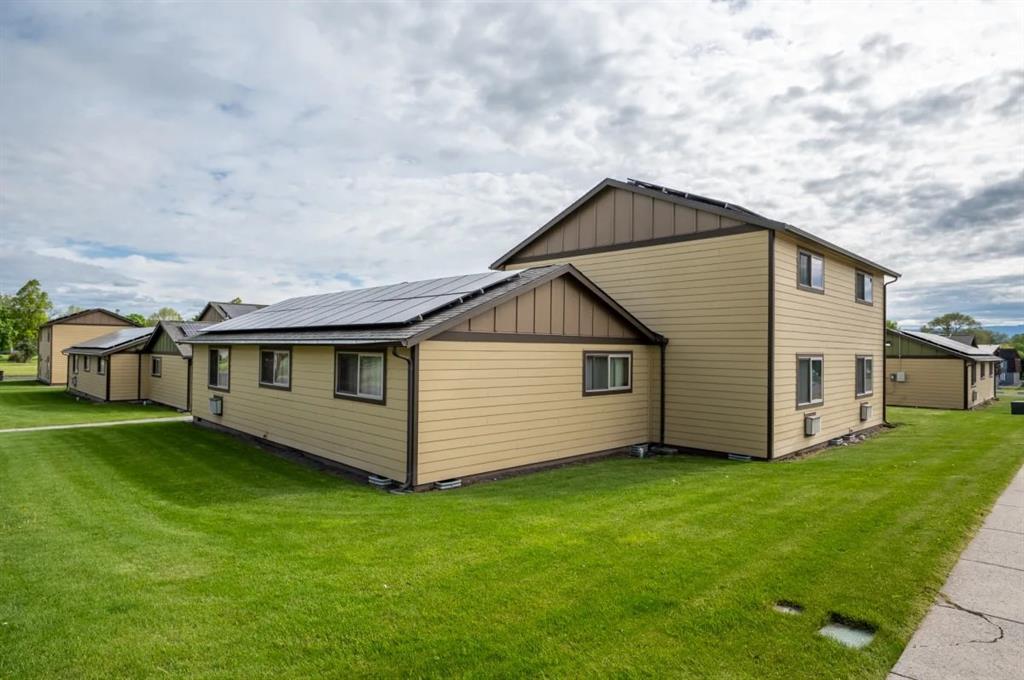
709,297
308,417
831,324
492,405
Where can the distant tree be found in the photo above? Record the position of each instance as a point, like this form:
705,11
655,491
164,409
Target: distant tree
6,323
986,337
236,301
73,309
136,318
951,324
163,314
1017,341
892,325
32,308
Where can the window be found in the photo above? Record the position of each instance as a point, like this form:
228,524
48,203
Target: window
101,365
983,371
359,375
220,368
155,366
864,287
974,377
85,363
74,363
809,380
810,271
865,381
607,372
276,368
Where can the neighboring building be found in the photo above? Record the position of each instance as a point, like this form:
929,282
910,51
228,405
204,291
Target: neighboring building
437,380
964,339
1010,373
774,335
108,368
58,334
215,312
933,371
167,364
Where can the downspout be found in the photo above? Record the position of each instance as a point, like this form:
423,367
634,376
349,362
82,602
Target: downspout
412,361
885,333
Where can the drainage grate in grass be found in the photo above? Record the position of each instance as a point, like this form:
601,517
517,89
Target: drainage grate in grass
787,607
855,634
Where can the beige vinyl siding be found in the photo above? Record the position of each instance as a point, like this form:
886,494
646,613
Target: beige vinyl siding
171,387
709,297
212,316
366,436
68,335
835,326
43,368
124,376
931,383
984,388
487,406
90,382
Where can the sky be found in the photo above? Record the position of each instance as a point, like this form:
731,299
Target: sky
165,154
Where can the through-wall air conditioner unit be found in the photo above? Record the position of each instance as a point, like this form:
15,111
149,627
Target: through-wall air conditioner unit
74,381
899,376
812,424
865,412
217,406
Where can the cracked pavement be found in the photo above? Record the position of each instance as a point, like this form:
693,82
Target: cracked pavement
975,629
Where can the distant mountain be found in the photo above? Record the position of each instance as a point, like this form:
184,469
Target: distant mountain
1009,330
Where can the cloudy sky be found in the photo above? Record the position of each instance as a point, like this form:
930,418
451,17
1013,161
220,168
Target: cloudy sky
165,154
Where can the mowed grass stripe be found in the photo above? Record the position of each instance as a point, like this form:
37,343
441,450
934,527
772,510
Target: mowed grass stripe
170,549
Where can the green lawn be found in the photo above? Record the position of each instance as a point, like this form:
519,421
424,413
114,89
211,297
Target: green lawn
11,369
32,404
170,550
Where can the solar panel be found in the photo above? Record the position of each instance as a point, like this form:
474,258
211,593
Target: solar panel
398,303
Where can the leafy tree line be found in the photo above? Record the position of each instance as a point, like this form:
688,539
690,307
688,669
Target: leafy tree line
958,323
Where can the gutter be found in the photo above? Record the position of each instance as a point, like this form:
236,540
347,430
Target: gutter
411,435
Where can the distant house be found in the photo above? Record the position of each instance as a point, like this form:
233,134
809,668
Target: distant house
1010,375
934,371
215,312
434,380
109,367
167,364
964,339
58,334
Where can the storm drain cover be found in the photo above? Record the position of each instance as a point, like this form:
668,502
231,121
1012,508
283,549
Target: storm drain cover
852,635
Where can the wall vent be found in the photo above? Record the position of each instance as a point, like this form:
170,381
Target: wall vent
865,412
899,376
812,424
448,484
217,406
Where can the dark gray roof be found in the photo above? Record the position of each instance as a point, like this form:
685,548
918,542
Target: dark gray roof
231,310
354,330
948,344
696,201
119,340
177,331
964,338
75,315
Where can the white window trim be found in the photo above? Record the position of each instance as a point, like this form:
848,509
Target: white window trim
611,355
359,369
810,386
287,384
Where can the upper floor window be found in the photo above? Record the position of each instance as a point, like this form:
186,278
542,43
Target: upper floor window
810,375
865,380
810,270
359,375
864,286
605,372
220,368
276,368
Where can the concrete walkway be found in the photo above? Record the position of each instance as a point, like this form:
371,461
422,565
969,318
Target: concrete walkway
975,629
75,426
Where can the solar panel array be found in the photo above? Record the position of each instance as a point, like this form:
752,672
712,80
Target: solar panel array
396,304
118,337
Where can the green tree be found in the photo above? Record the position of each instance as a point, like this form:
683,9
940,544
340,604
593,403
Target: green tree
73,309
30,307
1017,341
236,301
136,318
6,323
892,325
163,314
952,323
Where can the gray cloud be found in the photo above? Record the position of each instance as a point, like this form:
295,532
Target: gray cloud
882,45
758,33
995,204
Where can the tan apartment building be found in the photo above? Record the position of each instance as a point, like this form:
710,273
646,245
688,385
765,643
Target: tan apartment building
108,368
56,335
933,371
167,364
773,334
436,380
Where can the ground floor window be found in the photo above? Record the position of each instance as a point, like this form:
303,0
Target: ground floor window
155,366
85,363
865,379
101,365
359,375
810,373
220,368
605,372
276,368
74,363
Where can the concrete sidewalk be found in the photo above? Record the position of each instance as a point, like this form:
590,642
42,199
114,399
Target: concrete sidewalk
975,629
112,423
